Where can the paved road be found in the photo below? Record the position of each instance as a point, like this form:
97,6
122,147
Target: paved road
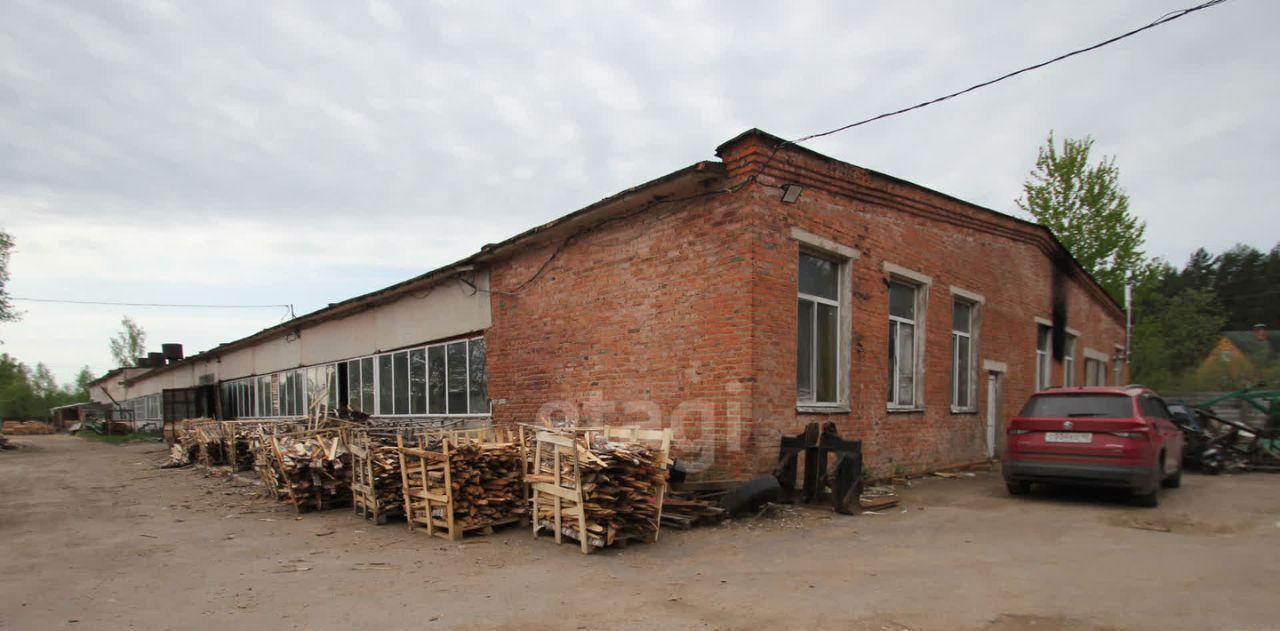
95,538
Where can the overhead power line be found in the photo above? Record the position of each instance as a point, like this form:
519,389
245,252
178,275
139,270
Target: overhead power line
149,304
1164,19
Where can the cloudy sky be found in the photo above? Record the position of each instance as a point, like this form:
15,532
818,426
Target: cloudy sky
305,152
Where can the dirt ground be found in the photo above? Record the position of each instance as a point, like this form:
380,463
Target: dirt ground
94,537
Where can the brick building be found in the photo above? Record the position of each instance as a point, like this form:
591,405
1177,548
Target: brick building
733,300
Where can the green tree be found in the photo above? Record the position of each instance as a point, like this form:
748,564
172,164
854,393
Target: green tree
129,344
1172,333
17,399
7,311
82,383
1084,206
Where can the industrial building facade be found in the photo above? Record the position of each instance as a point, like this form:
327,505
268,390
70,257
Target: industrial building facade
734,301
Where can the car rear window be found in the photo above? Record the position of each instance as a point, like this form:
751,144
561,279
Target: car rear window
1068,405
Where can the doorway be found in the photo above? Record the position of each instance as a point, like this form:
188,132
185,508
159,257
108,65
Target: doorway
993,412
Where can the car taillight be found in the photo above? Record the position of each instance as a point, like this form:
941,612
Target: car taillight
1129,434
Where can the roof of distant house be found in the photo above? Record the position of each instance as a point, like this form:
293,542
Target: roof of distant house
1249,344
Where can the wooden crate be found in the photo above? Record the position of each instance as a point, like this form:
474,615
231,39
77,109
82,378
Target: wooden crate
210,447
304,485
376,481
436,466
563,504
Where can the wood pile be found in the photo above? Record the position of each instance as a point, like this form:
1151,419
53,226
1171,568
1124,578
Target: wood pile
313,467
602,482
376,483
688,512
236,436
464,481
26,428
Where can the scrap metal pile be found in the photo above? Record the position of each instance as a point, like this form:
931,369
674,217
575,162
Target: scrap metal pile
1218,445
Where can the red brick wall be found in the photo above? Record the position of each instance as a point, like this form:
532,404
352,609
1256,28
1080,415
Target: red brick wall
1009,270
684,316
649,316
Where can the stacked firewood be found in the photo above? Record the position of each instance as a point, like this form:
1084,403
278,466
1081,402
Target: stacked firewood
458,483
315,467
27,428
376,484
690,512
486,481
621,489
237,438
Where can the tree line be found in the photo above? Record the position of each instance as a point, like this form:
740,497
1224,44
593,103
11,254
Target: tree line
29,393
1179,313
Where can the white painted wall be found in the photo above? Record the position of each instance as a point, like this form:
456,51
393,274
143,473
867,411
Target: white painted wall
450,309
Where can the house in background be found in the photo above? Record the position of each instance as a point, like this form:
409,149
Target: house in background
734,300
1239,355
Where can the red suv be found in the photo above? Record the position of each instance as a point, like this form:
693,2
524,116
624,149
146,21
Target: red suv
1098,436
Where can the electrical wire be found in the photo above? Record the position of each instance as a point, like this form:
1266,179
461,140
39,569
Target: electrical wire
150,304
1164,19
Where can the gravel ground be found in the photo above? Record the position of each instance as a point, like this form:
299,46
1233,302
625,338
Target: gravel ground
96,538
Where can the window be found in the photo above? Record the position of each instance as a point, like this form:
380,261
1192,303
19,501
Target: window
1044,365
1095,372
1078,405
1069,361
962,331
818,330
441,379
903,344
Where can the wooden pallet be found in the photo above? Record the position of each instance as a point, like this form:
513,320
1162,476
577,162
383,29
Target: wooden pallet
548,485
431,506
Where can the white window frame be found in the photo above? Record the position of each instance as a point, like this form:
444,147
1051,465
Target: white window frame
377,384
1044,356
1098,359
1069,344
843,256
921,283
975,302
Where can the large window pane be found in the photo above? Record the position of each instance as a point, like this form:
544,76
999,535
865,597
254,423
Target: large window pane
828,335
478,379
902,301
962,370
331,381
353,384
436,380
893,360
385,382
804,351
906,365
400,364
299,393
366,385
819,277
418,381
961,317
457,374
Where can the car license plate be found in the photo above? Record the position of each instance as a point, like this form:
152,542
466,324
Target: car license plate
1068,437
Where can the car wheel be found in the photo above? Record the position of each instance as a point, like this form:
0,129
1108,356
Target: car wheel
1152,499
1018,487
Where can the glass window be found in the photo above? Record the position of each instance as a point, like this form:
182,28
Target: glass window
385,382
819,277
400,366
418,381
818,330
477,378
902,344
436,380
1044,365
1078,405
962,355
456,371
1069,361
366,385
